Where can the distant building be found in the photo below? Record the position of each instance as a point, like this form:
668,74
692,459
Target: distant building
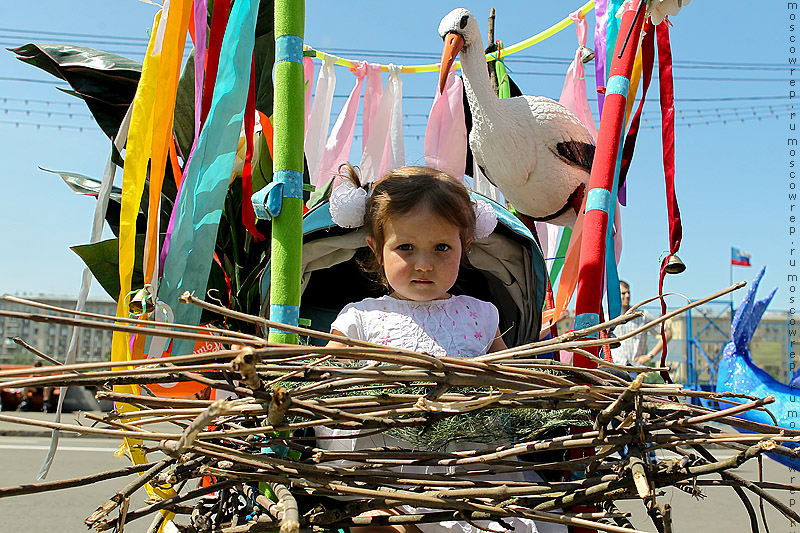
53,339
703,333
769,348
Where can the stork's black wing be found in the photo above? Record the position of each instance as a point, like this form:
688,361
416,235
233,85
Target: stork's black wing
576,153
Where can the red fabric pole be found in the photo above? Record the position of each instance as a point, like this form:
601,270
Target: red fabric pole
590,269
648,56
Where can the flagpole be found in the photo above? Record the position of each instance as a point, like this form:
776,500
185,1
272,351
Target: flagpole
730,269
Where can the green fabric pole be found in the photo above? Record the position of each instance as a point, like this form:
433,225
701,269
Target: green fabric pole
288,120
560,255
503,86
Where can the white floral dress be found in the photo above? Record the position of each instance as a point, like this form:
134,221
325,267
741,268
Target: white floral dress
459,326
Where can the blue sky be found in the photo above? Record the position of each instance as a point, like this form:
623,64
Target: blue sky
731,177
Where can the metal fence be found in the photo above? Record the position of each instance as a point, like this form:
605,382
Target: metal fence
699,336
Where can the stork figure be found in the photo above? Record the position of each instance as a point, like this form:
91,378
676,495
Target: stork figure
530,147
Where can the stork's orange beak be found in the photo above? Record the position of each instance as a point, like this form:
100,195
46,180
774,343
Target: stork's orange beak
453,43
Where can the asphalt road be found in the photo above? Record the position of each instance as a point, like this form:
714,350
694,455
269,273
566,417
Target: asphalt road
720,511
60,511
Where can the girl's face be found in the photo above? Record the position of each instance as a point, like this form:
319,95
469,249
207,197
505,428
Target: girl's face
421,255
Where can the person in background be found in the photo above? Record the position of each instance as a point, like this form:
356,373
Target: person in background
633,351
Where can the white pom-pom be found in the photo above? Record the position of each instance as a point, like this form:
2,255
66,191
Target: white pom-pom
348,205
485,219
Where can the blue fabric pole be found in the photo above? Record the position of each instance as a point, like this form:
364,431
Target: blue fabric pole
203,193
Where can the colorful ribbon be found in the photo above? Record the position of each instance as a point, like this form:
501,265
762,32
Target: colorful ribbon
667,100
337,149
248,215
384,149
319,120
446,132
206,183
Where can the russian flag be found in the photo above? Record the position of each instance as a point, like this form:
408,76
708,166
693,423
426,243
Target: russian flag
740,257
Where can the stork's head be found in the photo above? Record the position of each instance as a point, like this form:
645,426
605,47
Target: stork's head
458,29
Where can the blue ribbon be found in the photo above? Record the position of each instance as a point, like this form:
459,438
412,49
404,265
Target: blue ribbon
587,320
267,202
600,199
289,48
618,85
293,182
285,314
200,205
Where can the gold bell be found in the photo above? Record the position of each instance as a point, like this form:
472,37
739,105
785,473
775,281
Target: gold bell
674,265
141,301
586,54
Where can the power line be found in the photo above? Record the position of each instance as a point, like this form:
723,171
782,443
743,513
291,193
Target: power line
67,34
38,125
7,110
522,58
28,101
31,80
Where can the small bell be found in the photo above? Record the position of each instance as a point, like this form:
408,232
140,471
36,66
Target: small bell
674,265
586,54
142,301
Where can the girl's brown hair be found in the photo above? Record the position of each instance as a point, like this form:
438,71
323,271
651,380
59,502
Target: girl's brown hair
405,190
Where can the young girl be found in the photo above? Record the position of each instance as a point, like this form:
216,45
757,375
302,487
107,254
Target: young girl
420,223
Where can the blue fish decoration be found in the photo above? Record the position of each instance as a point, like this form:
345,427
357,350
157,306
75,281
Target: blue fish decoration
738,373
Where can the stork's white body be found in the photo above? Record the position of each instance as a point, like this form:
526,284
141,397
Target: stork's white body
519,142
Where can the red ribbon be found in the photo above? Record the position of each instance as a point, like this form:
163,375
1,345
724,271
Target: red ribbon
667,97
219,20
248,215
648,55
668,134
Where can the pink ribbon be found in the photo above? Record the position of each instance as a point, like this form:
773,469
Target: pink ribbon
573,94
446,133
337,149
308,70
372,97
384,149
200,26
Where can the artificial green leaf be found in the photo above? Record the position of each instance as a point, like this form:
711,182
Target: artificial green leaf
84,185
264,55
102,258
91,187
321,194
106,82
183,124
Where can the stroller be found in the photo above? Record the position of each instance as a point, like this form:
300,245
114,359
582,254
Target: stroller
507,269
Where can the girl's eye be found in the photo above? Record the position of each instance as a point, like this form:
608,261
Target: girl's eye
404,247
442,247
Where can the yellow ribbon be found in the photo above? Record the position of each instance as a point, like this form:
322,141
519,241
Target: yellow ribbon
434,67
163,111
148,141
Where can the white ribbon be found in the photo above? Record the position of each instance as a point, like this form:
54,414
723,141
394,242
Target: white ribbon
320,118
86,279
